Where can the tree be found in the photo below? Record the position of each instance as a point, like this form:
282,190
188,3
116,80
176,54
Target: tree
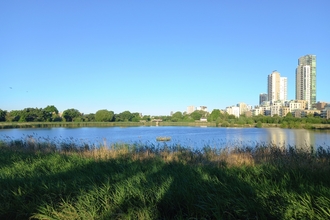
57,118
51,113
32,115
284,124
277,119
215,114
89,117
289,115
146,118
196,115
124,116
231,117
136,117
52,109
259,124
225,124
3,115
241,120
71,114
177,116
13,116
104,115
187,118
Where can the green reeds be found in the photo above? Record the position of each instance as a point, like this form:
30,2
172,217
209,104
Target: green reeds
40,180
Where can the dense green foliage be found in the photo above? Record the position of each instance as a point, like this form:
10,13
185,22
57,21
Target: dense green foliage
51,109
48,114
127,116
3,115
72,115
104,115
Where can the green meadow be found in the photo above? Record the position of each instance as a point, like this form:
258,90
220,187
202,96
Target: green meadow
40,180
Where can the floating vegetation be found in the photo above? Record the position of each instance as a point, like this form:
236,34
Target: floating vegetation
163,138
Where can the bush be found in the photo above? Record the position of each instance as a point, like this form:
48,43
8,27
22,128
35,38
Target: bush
259,124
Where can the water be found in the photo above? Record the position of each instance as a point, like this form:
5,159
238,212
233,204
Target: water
192,137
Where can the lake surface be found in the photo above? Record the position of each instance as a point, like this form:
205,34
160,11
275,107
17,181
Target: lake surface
192,137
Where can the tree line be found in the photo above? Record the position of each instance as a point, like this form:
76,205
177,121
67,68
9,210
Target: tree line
51,114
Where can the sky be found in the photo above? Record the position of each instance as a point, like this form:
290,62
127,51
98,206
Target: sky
154,57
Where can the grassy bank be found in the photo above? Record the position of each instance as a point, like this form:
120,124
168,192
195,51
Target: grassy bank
9,125
44,181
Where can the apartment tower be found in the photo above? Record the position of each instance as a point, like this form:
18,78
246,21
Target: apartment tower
277,87
306,80
283,88
262,98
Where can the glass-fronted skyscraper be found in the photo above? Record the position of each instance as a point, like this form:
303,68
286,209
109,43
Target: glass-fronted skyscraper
306,80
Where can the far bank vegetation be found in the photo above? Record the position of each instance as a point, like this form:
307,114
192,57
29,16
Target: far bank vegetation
219,118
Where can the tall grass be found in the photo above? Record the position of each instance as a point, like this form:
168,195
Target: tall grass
48,180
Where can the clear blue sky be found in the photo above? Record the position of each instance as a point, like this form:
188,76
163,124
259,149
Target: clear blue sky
155,57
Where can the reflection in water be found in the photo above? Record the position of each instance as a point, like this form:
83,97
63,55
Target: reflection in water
304,139
277,136
298,138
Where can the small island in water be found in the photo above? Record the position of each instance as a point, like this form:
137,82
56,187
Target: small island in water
163,138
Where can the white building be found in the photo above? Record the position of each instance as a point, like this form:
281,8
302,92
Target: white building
275,108
190,109
277,87
233,110
243,108
283,88
257,111
293,105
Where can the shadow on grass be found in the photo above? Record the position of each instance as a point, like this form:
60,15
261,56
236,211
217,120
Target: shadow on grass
57,186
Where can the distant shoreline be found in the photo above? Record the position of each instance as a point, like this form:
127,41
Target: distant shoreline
14,125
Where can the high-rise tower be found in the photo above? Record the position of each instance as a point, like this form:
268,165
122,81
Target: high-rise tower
277,87
306,79
283,88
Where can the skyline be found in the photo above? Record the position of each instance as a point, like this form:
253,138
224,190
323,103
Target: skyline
155,57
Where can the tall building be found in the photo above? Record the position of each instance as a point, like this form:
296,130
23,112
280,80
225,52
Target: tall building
306,79
263,97
283,88
277,87
190,109
242,108
273,86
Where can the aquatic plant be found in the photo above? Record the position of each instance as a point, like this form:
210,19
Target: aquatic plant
163,138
